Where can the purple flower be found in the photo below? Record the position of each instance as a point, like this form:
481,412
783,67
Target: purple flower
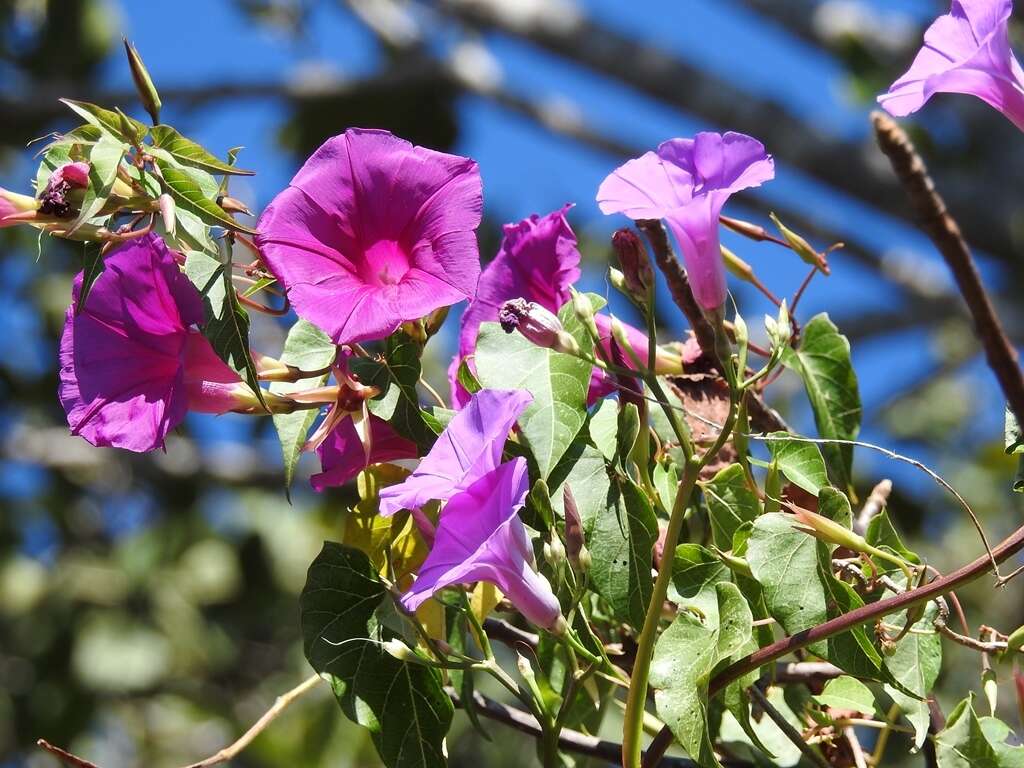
469,448
344,454
481,538
54,199
686,183
966,51
373,232
131,366
538,261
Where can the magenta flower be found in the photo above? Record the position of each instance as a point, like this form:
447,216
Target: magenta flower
537,261
373,232
54,199
686,182
966,51
13,204
481,538
344,454
469,448
131,366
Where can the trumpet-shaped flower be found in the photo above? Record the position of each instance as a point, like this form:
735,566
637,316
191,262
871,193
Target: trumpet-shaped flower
131,365
469,448
686,182
966,51
481,538
538,260
12,204
344,453
373,232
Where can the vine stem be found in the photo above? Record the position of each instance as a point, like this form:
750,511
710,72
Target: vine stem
863,615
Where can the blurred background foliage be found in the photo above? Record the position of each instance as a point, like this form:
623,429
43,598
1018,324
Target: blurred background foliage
148,604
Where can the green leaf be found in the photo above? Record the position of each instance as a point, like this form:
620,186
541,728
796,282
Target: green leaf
834,505
626,435
226,325
396,373
915,663
799,461
467,378
695,572
403,705
962,743
106,120
309,349
558,383
621,540
104,158
847,693
604,425
823,362
584,470
785,562
684,658
184,186
188,152
998,733
730,504
92,267
881,533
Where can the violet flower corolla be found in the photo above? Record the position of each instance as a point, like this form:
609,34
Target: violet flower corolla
373,232
131,363
538,261
470,447
350,438
481,538
966,51
686,182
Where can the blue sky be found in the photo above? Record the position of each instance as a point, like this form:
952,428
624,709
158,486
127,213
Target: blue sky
525,169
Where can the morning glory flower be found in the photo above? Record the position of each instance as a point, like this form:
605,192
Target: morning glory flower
538,261
469,448
966,51
686,182
13,204
481,538
350,448
131,363
373,232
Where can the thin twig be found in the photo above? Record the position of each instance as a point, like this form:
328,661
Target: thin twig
858,752
64,756
941,227
873,506
787,728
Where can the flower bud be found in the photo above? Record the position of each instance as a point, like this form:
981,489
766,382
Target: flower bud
636,264
12,204
584,312
990,685
143,82
617,279
167,212
827,530
399,650
554,551
800,246
537,324
231,205
575,546
737,266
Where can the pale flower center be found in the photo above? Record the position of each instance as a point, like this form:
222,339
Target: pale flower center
384,263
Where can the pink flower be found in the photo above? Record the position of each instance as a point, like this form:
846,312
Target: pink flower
686,182
470,447
537,261
344,453
481,538
11,204
373,232
966,51
131,365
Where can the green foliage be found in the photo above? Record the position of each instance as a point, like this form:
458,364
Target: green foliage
915,663
730,503
823,362
970,742
186,187
847,693
558,383
108,121
684,658
402,704
104,158
308,349
189,153
799,461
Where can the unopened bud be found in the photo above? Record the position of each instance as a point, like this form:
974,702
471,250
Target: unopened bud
537,324
13,204
167,212
432,323
737,266
747,229
800,246
232,205
739,329
990,685
636,264
399,650
554,551
584,312
617,279
143,82
829,531
575,545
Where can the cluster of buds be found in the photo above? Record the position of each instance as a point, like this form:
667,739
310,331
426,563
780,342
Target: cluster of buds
537,324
